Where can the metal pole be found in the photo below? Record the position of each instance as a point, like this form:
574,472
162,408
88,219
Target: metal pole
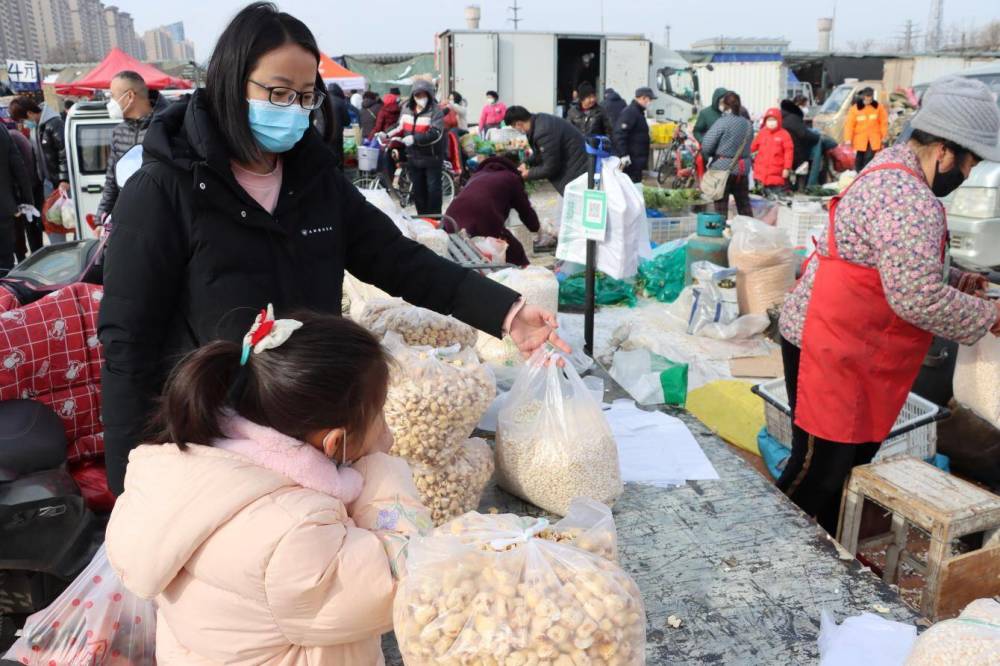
589,277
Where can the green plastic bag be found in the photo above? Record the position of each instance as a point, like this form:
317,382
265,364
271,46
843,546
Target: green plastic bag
662,277
607,291
673,379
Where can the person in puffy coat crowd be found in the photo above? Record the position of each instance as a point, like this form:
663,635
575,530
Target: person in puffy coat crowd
866,128
774,152
370,107
298,561
613,105
387,116
631,135
483,205
587,115
557,148
238,204
421,130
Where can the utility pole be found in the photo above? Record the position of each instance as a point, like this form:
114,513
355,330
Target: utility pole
666,34
935,25
909,36
515,8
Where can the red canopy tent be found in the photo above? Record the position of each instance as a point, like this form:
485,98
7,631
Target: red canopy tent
331,72
116,61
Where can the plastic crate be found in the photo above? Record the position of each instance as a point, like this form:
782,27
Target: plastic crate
665,229
801,226
920,442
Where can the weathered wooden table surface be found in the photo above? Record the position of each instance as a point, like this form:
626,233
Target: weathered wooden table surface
743,568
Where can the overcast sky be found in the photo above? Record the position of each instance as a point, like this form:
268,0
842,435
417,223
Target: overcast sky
368,26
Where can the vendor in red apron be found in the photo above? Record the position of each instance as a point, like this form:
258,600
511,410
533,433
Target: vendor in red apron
860,322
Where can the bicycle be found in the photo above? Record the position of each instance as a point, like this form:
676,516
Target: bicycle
676,169
399,186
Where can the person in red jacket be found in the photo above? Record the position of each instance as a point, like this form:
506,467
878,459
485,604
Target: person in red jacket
388,115
774,150
482,207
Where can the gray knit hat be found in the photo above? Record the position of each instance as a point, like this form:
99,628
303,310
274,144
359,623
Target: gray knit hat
964,111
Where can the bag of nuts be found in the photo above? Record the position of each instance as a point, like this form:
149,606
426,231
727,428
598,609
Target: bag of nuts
553,443
489,589
436,397
971,639
418,327
456,487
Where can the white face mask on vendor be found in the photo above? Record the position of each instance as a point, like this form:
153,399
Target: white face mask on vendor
772,124
421,102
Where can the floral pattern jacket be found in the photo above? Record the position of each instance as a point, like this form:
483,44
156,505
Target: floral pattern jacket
891,221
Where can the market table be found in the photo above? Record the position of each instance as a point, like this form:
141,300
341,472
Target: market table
745,571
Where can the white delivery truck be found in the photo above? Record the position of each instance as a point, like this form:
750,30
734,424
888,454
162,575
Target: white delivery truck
760,85
538,70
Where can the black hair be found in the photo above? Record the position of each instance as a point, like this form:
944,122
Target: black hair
922,138
457,95
493,94
866,92
799,100
331,373
135,80
369,94
516,114
20,107
732,102
68,104
257,29
585,90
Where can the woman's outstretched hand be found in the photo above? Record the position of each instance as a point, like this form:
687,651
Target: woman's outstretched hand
533,327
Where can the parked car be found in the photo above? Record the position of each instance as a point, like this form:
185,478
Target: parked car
832,114
974,208
88,144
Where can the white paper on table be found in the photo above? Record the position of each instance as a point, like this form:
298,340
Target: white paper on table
655,448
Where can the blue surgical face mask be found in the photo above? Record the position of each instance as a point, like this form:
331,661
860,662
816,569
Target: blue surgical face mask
31,124
277,128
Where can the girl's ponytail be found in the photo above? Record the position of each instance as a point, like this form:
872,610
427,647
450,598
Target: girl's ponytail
196,391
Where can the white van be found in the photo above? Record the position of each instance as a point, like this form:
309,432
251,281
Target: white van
88,144
974,208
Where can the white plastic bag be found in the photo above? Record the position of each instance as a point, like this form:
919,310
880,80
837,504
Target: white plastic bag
419,327
360,294
504,589
538,286
714,296
96,621
765,261
977,372
864,639
553,443
494,249
971,639
436,397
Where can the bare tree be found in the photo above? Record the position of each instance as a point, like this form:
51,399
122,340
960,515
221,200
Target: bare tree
862,45
988,37
67,52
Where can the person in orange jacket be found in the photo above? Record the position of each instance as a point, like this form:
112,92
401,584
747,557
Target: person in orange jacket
867,126
773,150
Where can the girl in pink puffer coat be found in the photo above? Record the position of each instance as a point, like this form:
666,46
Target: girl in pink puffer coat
257,546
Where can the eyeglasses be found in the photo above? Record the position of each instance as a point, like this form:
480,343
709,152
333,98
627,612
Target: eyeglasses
282,96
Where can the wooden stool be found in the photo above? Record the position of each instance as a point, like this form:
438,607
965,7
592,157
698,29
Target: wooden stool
946,508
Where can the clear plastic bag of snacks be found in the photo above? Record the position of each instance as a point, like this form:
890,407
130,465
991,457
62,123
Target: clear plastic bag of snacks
553,442
456,487
491,589
418,327
436,397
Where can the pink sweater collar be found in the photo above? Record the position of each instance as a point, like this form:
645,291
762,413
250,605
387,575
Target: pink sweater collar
289,457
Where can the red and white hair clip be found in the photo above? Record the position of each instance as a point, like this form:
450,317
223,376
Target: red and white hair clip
267,333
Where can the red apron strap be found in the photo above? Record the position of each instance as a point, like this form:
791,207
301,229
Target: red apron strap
831,241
